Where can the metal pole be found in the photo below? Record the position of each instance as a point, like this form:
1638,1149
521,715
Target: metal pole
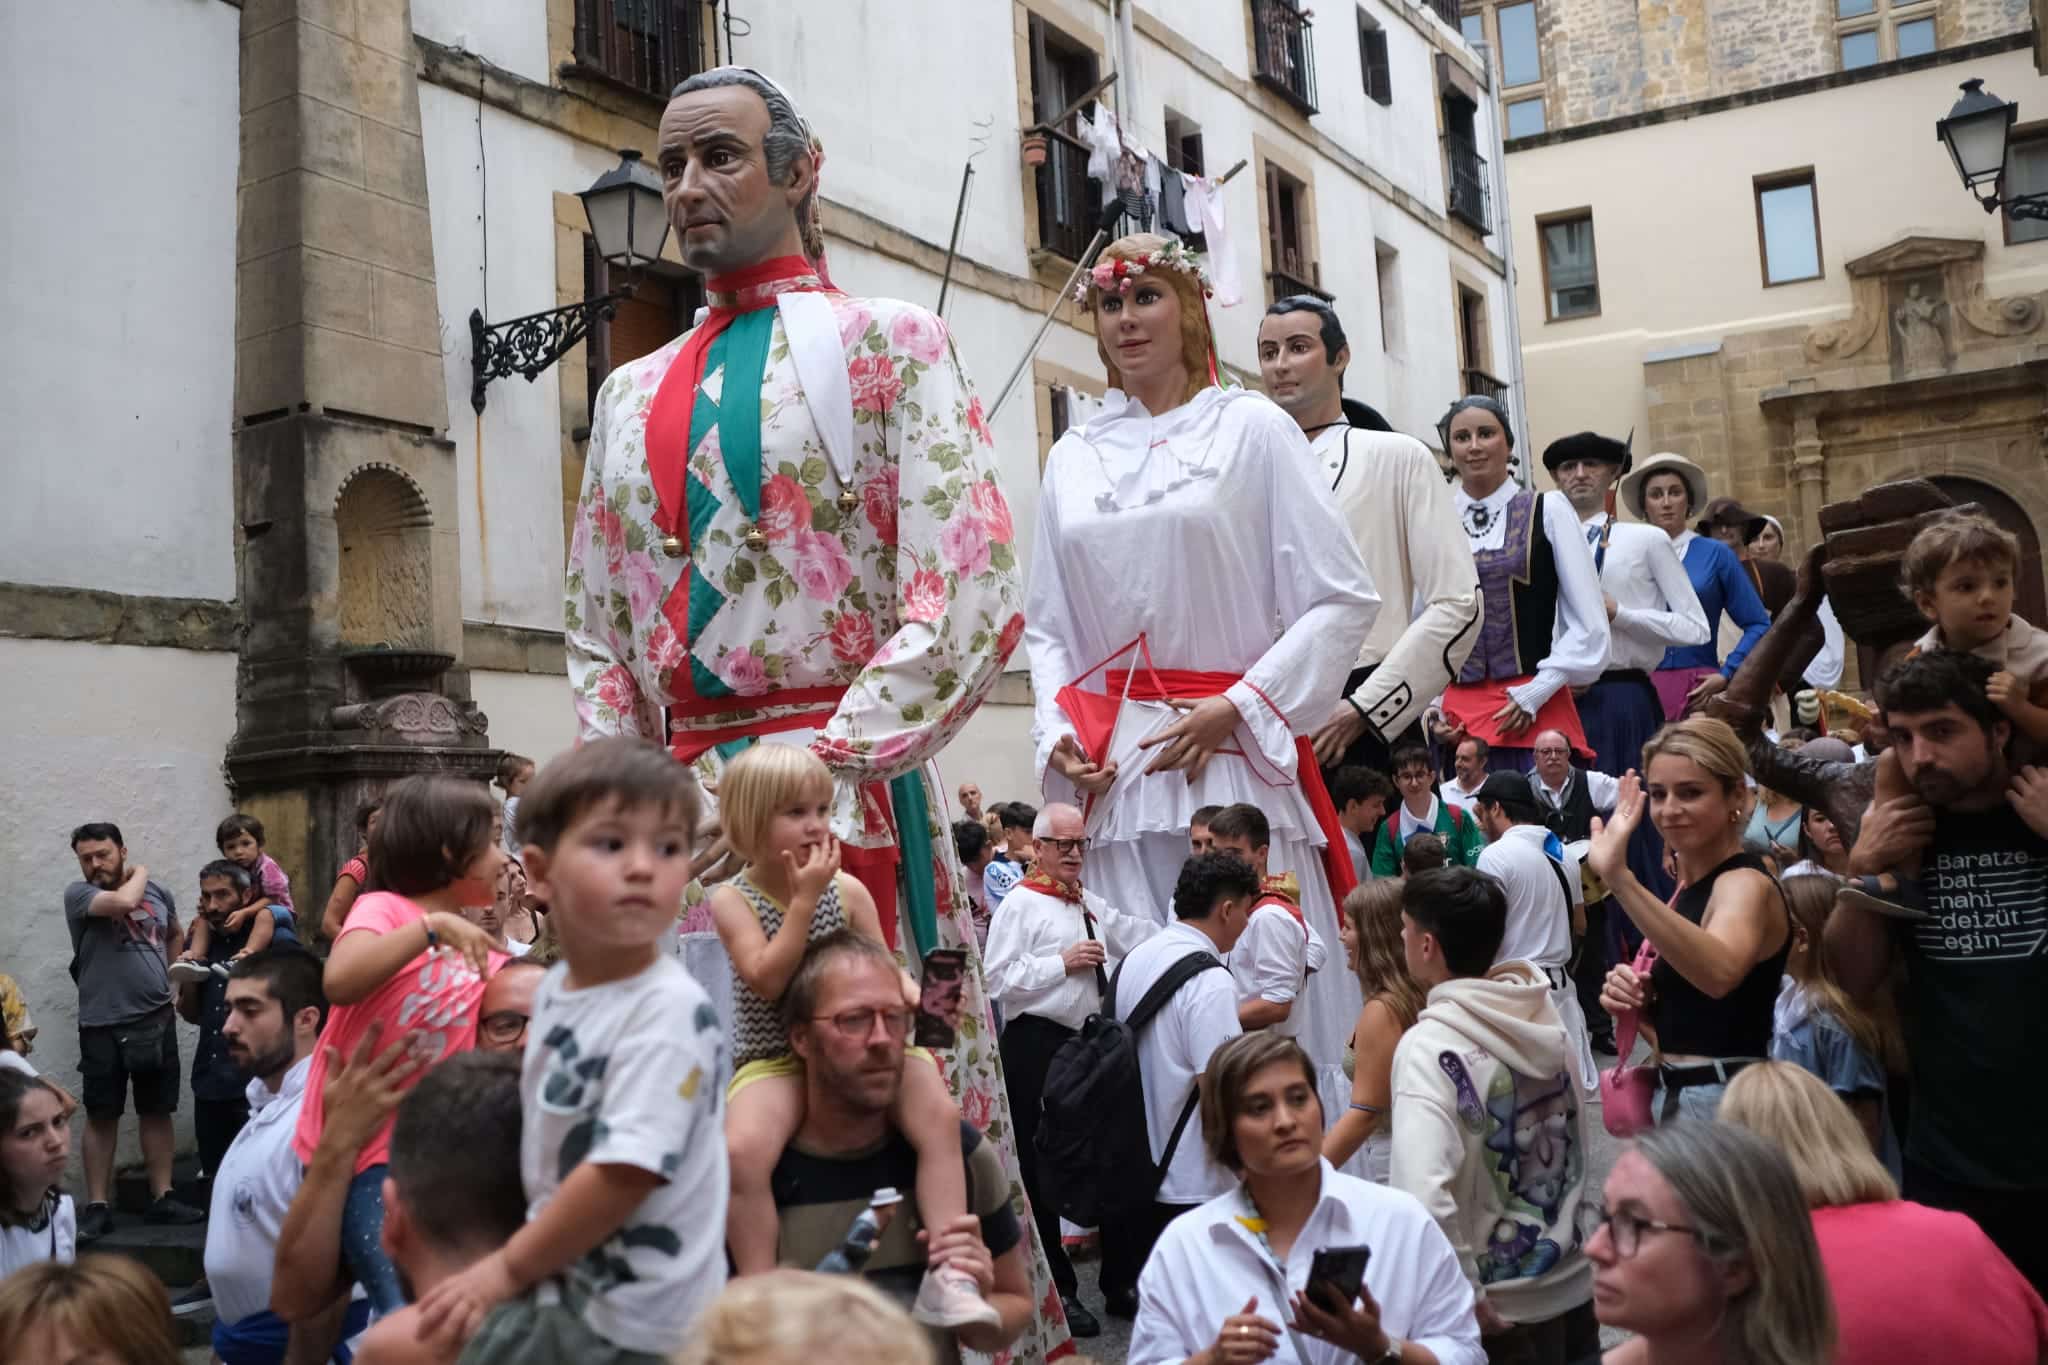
1045,325
953,245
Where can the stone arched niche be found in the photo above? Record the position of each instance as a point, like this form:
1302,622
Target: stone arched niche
384,528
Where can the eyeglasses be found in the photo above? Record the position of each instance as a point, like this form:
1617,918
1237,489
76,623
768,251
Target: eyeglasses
1627,1230
860,1024
504,1027
1065,846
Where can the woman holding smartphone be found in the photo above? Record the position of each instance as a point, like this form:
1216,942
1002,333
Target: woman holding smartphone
1270,1271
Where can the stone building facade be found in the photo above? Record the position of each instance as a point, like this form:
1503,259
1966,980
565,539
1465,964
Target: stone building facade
1743,241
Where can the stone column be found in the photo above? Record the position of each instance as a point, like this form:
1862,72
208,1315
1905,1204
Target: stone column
344,477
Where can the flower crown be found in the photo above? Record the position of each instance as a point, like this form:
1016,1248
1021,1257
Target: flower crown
1118,276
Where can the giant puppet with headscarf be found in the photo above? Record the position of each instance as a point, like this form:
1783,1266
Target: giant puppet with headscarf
790,528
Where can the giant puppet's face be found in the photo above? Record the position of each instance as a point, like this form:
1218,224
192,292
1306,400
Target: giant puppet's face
1296,366
728,213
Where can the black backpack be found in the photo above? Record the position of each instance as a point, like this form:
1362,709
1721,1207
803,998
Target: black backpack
1092,1138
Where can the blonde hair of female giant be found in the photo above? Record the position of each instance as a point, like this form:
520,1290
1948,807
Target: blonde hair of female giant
1743,1201
762,781
1196,343
799,1317
1793,1109
1374,908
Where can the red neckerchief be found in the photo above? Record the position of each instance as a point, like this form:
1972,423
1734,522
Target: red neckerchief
1045,884
668,420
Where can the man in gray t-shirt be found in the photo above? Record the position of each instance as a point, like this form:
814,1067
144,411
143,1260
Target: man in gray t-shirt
124,931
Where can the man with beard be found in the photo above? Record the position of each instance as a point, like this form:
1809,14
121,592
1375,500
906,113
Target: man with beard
847,1022
1392,494
274,1012
124,932
1975,1002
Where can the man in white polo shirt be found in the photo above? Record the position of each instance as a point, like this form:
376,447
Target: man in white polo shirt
1211,901
275,1012
1050,949
1540,875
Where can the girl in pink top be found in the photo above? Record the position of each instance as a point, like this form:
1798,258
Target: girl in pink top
1910,1284
410,962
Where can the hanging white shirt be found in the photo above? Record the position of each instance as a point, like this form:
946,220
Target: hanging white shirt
1579,636
1272,959
1207,1264
259,1175
1207,530
1174,1049
1027,934
1391,493
1655,607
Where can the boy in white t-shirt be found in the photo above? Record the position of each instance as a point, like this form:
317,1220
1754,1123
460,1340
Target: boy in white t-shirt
1272,960
623,1152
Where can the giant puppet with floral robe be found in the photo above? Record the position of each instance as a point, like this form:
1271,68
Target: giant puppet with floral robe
790,528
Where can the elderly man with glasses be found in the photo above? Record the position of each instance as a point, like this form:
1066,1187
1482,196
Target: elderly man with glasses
1051,946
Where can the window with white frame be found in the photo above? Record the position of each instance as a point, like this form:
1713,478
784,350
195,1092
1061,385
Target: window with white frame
1871,31
1571,272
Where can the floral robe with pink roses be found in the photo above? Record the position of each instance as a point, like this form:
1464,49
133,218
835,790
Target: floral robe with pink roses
905,596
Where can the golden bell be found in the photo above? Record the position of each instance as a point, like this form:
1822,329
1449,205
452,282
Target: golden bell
672,546
756,539
849,501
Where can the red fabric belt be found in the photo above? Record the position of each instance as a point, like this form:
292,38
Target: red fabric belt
1162,684
1473,705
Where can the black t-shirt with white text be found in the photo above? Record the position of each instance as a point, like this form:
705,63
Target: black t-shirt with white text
1976,1002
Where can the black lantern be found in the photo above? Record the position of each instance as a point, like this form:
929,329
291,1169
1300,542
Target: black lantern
1975,134
628,224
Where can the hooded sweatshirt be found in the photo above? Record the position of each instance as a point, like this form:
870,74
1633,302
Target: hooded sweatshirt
1489,1133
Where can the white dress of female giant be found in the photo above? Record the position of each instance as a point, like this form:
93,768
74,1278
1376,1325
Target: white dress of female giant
1205,530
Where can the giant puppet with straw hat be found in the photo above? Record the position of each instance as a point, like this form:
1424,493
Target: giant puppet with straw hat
790,528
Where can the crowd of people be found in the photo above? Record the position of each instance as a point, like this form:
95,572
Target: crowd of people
482,1111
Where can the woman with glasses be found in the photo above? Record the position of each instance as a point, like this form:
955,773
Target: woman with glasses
1704,1251
1721,941
1956,1297
1229,1282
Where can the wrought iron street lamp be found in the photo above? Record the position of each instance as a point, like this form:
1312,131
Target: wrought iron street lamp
1975,134
628,225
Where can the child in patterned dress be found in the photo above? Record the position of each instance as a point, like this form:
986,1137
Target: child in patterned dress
776,802
1960,570
619,1153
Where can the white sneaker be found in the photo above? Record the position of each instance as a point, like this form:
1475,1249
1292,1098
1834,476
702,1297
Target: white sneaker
948,1298
185,973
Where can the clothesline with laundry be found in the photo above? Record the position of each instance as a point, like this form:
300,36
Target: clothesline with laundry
1182,204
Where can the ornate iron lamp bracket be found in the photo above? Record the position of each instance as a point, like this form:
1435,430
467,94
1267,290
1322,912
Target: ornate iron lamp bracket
527,346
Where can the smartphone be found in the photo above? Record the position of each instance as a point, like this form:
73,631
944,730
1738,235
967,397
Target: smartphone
1339,1272
938,1001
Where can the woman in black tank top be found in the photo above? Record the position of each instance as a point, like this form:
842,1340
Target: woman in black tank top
1722,942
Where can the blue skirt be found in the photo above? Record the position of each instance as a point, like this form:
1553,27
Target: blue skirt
1620,712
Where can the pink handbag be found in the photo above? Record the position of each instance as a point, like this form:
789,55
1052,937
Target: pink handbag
1626,1091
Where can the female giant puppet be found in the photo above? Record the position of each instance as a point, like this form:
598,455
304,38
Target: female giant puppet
790,527
1194,602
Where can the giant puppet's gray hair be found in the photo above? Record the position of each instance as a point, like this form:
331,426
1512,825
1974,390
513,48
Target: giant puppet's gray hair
789,136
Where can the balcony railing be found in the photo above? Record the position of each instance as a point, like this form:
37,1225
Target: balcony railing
1484,384
1286,286
1447,10
651,46
1284,53
1468,197
1069,200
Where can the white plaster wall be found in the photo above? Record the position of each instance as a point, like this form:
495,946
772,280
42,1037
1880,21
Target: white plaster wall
512,34
102,732
1674,224
119,280
530,713
993,751
508,462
